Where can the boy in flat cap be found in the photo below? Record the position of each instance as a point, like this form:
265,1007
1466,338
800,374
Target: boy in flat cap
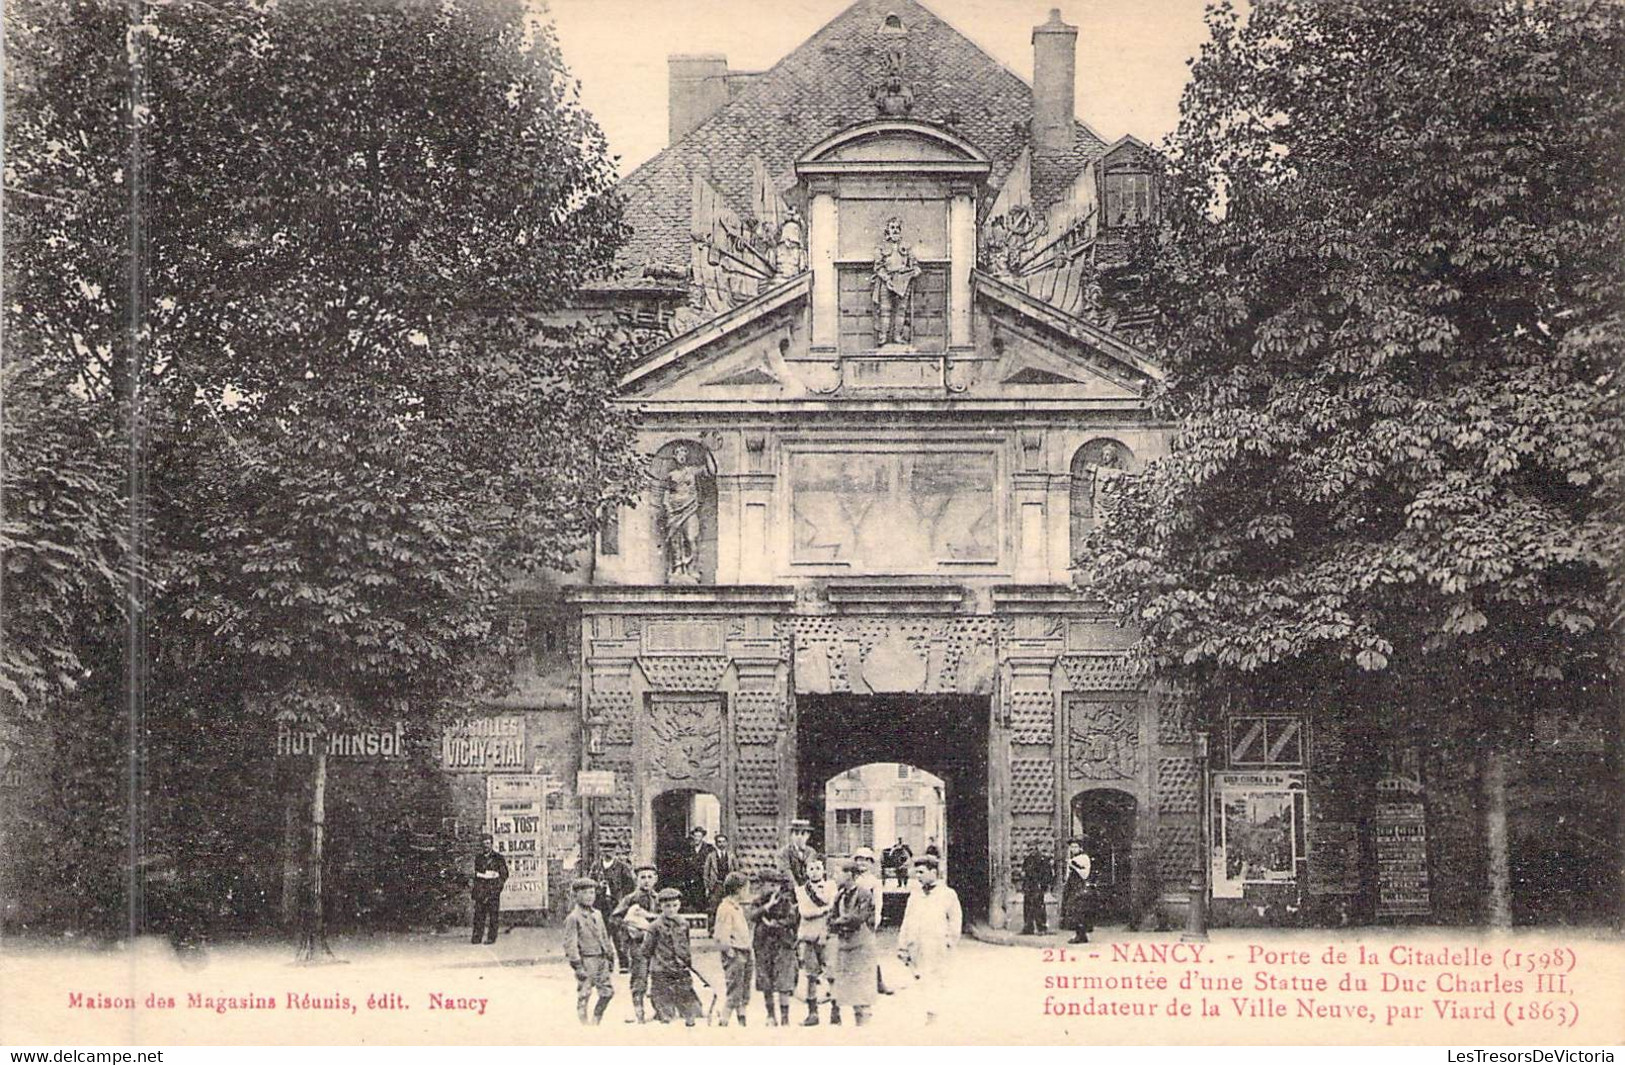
635,912
851,921
588,947
666,947
775,942
732,933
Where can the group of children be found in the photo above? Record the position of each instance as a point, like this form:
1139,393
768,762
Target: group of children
786,925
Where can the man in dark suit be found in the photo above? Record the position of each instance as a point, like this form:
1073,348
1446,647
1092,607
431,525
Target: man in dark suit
693,885
718,864
490,875
1037,874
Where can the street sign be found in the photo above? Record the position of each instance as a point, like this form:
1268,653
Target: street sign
593,783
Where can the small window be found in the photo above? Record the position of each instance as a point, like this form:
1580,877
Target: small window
1128,198
854,828
609,530
894,22
1265,741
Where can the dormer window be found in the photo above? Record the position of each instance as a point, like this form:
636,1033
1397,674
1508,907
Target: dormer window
893,24
1128,198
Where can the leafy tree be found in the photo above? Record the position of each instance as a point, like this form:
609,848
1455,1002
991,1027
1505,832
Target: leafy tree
1389,299
356,228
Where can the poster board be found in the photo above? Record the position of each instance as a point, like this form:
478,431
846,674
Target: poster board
516,817
1258,830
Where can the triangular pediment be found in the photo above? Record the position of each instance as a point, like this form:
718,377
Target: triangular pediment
740,355
1033,375
752,375
1025,352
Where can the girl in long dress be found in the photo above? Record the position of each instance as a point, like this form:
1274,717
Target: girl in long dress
1075,901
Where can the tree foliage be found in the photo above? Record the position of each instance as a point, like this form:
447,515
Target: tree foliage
1389,300
314,259
351,222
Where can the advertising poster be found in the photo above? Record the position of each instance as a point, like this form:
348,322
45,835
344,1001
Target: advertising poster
516,815
1129,492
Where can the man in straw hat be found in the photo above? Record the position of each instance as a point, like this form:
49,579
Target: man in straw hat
793,857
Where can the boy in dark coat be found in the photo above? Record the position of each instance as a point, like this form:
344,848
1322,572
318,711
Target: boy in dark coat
666,947
633,915
775,942
615,882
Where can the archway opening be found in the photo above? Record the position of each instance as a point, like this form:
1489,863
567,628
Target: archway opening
943,738
686,822
897,810
1103,819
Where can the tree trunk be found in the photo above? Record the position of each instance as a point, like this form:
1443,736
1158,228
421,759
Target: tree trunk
313,948
290,868
1498,903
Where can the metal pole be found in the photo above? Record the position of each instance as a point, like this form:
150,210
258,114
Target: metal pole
1196,918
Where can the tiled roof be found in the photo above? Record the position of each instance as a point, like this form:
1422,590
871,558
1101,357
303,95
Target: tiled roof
824,86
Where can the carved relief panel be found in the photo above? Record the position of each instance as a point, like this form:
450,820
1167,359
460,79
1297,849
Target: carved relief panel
1103,738
685,741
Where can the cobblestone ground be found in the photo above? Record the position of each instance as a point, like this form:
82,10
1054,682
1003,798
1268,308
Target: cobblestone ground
406,988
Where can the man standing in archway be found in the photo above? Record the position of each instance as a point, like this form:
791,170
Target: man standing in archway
700,853
931,929
718,865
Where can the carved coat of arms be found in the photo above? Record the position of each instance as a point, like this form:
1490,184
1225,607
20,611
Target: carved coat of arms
1103,741
687,739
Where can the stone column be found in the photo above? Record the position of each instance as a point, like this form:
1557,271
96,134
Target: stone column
823,231
962,257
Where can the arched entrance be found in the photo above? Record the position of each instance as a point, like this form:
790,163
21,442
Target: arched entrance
896,810
1103,819
677,814
945,737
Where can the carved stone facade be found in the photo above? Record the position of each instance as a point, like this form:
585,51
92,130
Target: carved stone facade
694,692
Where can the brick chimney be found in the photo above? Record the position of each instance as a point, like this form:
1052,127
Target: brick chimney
1055,61
698,90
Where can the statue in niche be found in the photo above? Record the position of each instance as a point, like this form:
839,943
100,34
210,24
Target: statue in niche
895,271
680,506
1101,462
792,247
1108,468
